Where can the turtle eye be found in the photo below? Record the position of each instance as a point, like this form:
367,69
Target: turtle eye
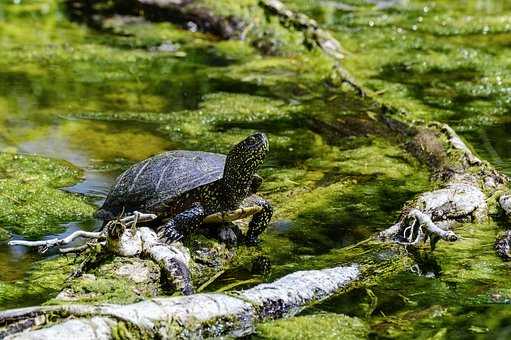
251,141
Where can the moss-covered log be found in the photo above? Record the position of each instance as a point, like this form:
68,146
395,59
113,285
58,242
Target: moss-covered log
201,315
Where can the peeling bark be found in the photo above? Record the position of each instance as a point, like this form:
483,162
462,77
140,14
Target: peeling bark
467,185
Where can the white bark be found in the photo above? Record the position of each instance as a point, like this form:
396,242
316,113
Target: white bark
128,221
200,315
55,242
505,203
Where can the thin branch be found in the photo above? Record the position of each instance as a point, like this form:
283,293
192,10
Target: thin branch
233,215
425,220
130,220
55,242
79,249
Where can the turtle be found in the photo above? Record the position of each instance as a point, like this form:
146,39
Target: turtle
184,187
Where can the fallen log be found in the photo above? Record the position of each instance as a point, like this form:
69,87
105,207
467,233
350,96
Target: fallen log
200,315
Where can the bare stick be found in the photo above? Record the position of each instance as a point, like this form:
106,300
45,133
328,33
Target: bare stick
54,242
136,217
420,220
79,249
426,221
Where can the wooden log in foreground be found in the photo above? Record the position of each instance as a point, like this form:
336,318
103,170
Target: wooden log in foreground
200,315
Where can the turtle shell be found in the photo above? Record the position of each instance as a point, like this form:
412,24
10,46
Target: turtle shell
148,185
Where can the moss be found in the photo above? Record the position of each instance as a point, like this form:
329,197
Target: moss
235,50
31,203
321,326
334,175
349,195
4,234
44,278
118,280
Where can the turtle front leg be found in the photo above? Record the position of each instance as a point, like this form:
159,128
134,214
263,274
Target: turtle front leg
181,224
260,220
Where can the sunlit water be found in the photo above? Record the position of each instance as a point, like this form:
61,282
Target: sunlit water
37,103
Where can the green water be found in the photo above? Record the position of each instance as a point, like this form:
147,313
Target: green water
104,100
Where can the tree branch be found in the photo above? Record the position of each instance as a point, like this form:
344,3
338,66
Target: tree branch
200,315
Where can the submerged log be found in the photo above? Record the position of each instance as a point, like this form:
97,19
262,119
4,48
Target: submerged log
200,315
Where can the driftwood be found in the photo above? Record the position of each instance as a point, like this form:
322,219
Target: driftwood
200,315
503,242
122,237
416,227
128,221
44,245
468,184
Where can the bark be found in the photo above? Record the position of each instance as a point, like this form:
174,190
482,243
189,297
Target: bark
200,315
467,182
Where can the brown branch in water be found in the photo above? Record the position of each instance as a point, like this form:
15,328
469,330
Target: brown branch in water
230,216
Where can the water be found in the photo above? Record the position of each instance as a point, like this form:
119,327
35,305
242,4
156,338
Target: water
493,143
328,192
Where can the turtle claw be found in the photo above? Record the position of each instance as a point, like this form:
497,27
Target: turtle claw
169,234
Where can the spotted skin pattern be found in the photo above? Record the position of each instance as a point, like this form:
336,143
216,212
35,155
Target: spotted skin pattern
187,186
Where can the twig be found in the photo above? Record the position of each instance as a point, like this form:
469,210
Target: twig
233,215
44,245
425,220
58,241
422,220
210,281
79,249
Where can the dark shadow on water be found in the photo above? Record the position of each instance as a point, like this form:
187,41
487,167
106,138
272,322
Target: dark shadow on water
350,216
492,143
438,88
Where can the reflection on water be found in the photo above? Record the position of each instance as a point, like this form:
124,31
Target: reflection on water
88,144
493,143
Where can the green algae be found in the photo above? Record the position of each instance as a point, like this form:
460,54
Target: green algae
439,60
328,192
44,278
455,294
31,203
321,326
115,280
351,195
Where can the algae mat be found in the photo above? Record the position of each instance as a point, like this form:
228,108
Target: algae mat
91,103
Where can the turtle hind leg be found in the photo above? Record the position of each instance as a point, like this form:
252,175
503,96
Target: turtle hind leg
260,220
182,224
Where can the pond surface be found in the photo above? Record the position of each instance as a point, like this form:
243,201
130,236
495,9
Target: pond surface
103,101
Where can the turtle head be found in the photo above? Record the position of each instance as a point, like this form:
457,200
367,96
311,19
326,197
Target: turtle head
248,155
243,161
